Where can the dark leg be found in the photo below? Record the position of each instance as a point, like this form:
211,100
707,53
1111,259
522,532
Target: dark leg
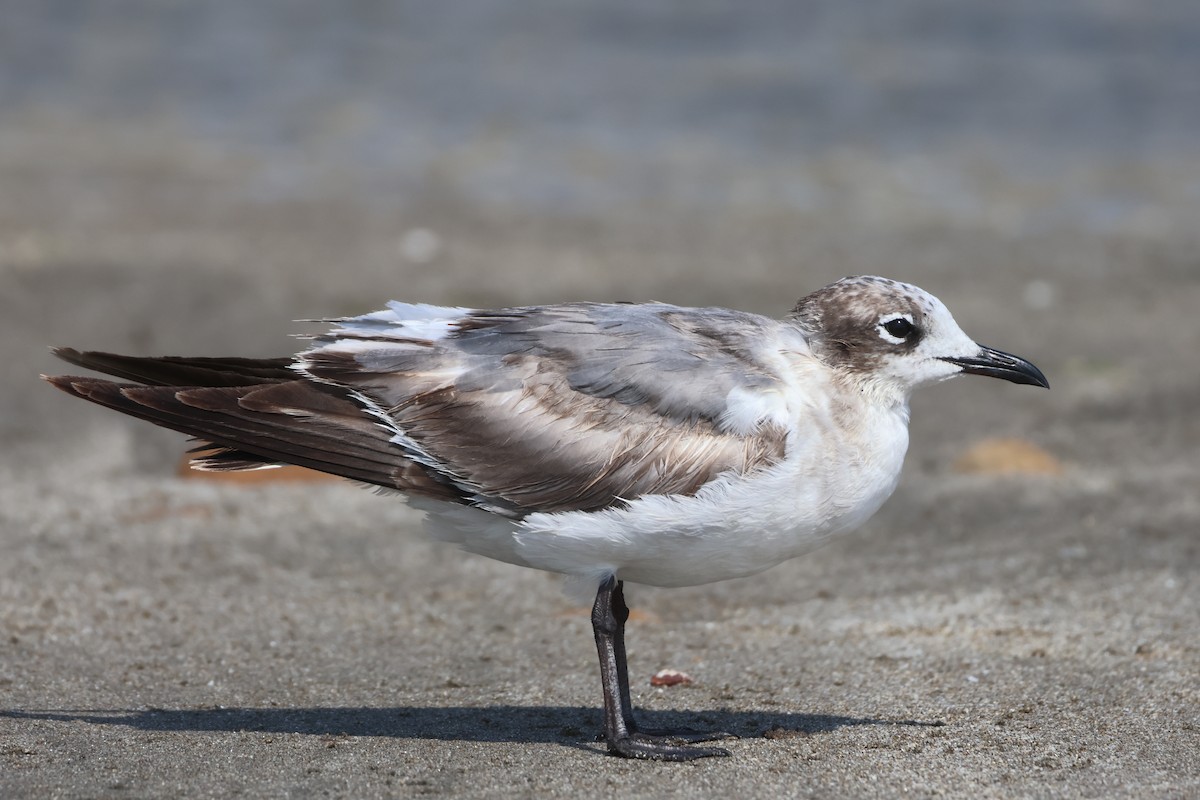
620,613
681,736
620,731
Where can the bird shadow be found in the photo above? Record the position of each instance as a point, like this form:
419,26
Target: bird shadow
567,725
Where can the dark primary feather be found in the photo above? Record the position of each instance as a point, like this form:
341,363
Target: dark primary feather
295,422
177,371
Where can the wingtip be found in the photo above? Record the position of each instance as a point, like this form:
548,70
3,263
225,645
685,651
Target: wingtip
68,354
65,383
87,388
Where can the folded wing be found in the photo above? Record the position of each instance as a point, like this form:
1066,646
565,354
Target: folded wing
553,408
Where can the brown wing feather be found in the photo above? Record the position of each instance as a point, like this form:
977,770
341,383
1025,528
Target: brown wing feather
535,444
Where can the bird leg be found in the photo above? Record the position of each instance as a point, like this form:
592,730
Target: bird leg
621,731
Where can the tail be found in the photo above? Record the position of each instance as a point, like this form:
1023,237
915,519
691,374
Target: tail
251,414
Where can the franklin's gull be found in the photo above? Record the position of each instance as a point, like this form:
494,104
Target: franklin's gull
645,442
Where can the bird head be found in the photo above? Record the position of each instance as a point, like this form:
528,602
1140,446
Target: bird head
897,336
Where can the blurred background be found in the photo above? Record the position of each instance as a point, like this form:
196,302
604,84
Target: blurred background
190,177
184,177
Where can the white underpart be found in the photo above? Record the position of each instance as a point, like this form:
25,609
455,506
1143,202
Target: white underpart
831,480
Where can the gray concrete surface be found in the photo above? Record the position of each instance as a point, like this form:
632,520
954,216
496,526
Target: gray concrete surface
190,181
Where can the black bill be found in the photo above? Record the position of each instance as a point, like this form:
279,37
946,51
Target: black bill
998,364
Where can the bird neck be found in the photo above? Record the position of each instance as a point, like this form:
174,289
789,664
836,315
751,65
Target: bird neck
882,393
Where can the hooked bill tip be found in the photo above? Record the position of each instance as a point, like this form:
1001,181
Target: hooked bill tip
998,364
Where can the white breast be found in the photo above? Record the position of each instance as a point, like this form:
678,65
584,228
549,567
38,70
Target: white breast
835,475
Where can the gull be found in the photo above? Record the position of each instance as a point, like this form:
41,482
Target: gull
640,442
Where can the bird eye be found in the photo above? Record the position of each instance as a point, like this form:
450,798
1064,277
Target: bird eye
898,327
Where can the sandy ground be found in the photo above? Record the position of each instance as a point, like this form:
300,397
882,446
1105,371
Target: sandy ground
1034,634
987,635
